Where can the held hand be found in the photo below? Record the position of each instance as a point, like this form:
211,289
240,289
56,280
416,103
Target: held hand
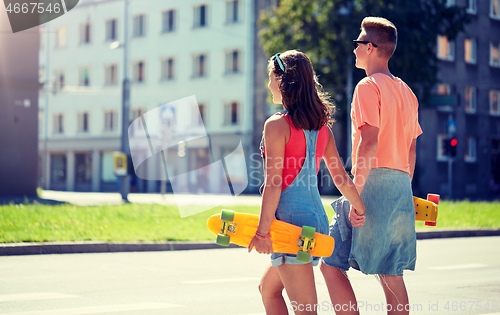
262,246
356,219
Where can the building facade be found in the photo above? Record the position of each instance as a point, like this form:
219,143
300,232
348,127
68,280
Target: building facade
204,48
465,107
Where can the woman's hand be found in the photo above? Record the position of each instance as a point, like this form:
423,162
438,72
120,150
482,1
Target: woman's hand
356,218
262,246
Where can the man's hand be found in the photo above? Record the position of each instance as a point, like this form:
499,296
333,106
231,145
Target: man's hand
356,219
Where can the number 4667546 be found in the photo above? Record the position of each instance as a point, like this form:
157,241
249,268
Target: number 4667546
33,8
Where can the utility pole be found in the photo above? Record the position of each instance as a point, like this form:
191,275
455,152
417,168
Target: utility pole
46,165
125,148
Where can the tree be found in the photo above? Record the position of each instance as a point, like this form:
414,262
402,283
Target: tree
324,30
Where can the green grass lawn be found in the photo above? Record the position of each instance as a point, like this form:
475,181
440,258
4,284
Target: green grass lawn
140,222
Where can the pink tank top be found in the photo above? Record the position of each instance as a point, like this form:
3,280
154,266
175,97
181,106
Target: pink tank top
295,151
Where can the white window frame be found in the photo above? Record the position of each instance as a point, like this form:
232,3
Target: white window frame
230,65
495,62
81,122
471,7
109,30
228,113
470,96
230,11
440,141
58,123
197,16
449,49
495,5
136,71
81,76
166,74
197,73
110,120
470,149
60,40
108,74
494,94
139,23
473,50
83,33
166,21
57,85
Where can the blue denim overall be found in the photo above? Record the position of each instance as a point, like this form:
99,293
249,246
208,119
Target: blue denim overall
300,203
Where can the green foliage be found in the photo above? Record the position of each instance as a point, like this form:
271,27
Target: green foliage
324,30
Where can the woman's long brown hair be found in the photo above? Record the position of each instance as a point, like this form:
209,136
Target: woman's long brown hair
308,106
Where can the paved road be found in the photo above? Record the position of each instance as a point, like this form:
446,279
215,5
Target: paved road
451,274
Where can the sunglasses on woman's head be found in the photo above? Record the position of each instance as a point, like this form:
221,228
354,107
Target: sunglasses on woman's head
277,57
357,42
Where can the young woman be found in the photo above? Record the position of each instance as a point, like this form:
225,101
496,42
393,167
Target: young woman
294,142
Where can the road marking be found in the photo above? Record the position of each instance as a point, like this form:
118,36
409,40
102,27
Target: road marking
34,296
100,309
458,267
211,281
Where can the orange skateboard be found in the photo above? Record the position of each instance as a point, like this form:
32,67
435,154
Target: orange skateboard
427,210
240,228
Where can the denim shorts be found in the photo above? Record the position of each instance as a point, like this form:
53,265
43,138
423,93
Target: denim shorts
386,243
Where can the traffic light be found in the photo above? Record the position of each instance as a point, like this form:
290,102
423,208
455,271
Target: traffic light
453,146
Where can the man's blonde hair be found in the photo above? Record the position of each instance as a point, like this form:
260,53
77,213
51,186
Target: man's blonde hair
381,32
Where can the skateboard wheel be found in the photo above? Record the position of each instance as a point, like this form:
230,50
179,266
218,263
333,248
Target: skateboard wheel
303,257
223,240
308,232
434,198
227,215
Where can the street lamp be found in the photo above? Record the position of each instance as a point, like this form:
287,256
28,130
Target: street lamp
125,179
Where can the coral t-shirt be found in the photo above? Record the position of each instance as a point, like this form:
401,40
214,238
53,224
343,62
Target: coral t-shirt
295,151
389,104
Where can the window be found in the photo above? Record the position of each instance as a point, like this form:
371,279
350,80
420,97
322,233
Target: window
58,124
111,28
445,48
136,113
168,21
84,76
442,89
471,6
232,14
168,69
85,33
60,37
470,149
203,112
111,75
58,80
200,16
139,72
83,122
200,65
110,120
83,168
450,3
233,64
58,168
470,99
139,25
231,114
107,171
442,153
495,9
495,103
470,50
494,54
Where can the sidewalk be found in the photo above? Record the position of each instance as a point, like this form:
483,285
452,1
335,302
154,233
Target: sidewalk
88,199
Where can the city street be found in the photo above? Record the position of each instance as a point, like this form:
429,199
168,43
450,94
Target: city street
453,276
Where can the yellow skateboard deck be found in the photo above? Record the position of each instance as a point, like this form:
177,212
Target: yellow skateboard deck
427,210
240,228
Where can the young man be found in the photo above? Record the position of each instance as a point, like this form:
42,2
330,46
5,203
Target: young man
385,126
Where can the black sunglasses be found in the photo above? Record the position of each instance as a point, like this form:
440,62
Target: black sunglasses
357,42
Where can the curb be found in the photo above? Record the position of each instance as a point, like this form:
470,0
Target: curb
13,249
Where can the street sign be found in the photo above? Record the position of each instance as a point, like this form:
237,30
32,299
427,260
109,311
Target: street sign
120,163
452,126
